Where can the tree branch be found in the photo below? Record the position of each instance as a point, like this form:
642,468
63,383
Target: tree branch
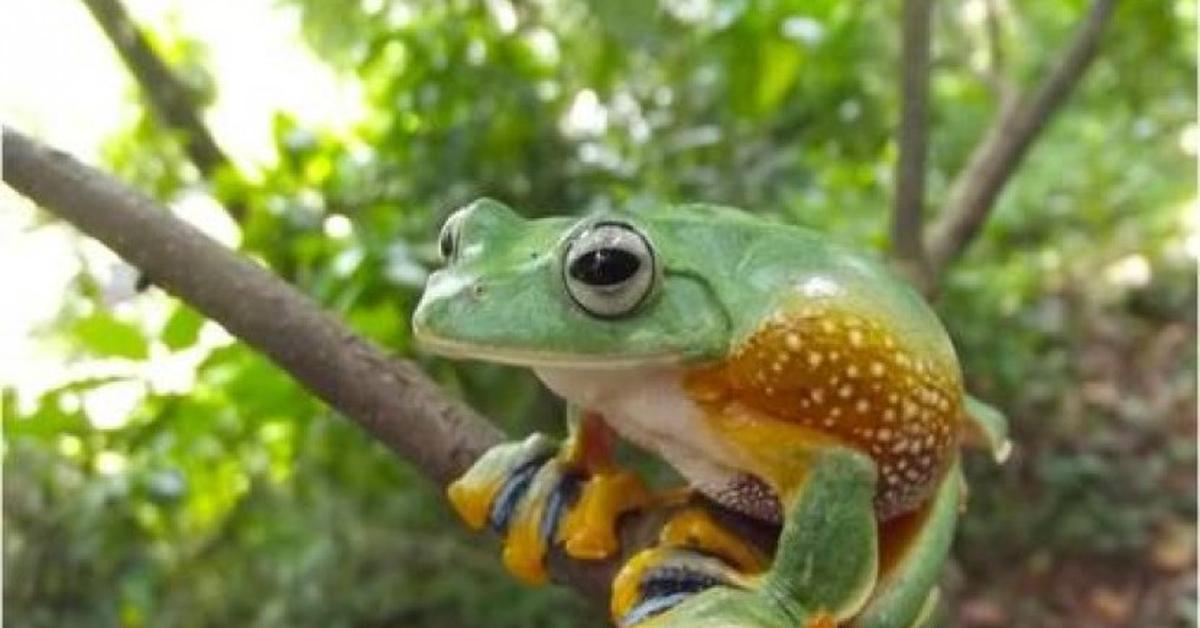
995,74
908,247
172,101
992,163
391,398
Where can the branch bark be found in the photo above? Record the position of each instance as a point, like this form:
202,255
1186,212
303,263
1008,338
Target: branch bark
172,101
908,248
392,399
1005,144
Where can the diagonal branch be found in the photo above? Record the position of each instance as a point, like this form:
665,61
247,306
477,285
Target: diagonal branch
391,399
172,101
908,249
991,165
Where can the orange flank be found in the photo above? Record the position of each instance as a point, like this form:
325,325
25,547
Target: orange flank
826,373
821,620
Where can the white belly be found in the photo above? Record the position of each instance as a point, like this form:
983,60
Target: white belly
649,408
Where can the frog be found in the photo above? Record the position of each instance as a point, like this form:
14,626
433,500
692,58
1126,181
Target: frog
787,378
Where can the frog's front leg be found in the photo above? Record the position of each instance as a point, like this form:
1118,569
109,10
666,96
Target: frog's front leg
537,493
824,569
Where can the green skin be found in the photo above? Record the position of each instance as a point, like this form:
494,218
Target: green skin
503,299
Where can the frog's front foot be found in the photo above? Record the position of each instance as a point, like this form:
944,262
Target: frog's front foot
536,494
693,555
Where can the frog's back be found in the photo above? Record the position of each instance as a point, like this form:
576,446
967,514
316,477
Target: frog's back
828,340
756,265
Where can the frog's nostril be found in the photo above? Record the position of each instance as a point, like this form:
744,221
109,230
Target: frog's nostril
478,290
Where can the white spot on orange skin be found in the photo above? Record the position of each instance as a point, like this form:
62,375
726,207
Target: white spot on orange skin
858,393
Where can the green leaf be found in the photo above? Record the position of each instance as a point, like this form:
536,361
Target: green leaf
106,336
182,329
780,65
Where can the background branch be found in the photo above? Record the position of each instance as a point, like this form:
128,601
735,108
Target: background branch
907,216
172,101
391,398
992,163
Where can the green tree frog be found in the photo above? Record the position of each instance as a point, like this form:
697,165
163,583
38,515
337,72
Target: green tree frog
783,376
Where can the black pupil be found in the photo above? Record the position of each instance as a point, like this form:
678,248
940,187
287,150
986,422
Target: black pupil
604,267
446,243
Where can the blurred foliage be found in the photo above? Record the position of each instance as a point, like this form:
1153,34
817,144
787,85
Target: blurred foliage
233,498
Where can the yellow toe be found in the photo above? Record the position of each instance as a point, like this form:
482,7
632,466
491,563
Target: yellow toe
694,528
472,500
524,547
589,529
626,588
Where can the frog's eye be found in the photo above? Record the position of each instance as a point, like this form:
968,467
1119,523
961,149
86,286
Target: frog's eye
448,239
609,269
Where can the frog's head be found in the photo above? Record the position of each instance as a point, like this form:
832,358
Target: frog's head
603,290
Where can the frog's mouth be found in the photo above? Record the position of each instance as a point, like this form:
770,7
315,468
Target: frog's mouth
529,358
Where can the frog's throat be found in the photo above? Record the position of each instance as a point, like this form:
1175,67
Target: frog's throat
542,359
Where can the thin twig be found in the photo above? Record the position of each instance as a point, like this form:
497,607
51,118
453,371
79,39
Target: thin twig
992,163
172,101
907,213
996,72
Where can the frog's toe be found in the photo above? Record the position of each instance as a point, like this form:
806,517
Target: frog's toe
658,579
559,504
529,510
488,493
694,553
537,494
589,528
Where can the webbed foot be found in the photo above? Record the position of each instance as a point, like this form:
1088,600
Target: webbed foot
694,554
537,494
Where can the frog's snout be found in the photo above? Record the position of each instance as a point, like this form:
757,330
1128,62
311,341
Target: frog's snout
448,295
